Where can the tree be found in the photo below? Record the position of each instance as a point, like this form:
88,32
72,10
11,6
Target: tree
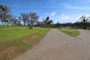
33,18
24,17
19,21
57,24
84,20
3,12
7,19
13,20
48,22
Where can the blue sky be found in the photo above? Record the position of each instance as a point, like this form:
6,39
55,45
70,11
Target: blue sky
59,10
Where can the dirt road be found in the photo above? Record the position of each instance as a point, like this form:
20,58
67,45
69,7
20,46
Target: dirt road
85,35
59,46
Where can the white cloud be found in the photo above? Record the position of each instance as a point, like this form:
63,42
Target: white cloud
64,17
53,13
87,15
69,18
77,18
74,7
63,14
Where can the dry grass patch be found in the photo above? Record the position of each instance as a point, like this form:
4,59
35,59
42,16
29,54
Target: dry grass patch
7,53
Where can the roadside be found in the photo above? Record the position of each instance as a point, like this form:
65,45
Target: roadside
70,32
84,35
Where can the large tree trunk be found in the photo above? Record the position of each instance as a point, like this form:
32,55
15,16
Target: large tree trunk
4,18
24,23
31,26
84,26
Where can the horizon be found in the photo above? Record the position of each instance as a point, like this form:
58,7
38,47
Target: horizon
58,10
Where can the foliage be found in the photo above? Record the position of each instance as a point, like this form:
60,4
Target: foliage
24,17
33,19
48,22
4,10
84,20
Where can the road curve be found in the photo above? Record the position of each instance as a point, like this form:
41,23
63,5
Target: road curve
58,46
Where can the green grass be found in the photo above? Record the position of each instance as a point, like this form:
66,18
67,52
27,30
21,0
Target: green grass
14,36
70,32
88,28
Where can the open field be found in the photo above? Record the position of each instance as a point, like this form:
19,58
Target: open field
15,40
70,32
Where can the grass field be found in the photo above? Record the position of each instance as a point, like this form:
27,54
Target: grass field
15,40
70,32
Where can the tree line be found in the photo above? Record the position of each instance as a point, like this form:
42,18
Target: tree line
32,19
25,19
83,23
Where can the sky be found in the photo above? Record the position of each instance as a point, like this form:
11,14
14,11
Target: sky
61,11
